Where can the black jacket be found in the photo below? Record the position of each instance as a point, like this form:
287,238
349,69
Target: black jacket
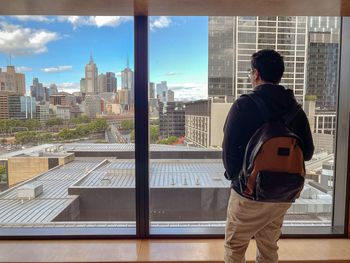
244,118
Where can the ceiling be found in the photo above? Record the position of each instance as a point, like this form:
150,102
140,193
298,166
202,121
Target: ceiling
176,7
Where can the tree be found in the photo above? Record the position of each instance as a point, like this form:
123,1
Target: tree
80,120
26,137
99,125
127,124
54,121
169,141
32,124
132,136
154,133
65,134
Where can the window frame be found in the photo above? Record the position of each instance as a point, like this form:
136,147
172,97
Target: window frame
141,48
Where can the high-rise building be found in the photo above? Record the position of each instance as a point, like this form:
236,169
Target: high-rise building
62,98
170,96
162,91
323,57
4,106
111,82
83,86
10,81
102,83
13,106
171,119
92,105
42,112
232,41
204,122
123,97
91,73
53,89
38,91
151,90
127,76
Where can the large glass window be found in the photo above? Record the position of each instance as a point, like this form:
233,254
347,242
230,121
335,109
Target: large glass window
187,186
66,124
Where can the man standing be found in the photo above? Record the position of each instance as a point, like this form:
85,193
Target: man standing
248,218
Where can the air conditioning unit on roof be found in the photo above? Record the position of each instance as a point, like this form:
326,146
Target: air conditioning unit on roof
29,191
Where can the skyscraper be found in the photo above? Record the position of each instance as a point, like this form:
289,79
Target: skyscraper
162,91
11,81
232,41
323,54
91,73
83,85
111,82
102,83
38,91
128,83
151,90
53,89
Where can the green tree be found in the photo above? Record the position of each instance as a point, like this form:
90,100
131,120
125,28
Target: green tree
99,125
170,140
80,120
26,137
65,134
54,121
32,124
127,124
132,136
154,133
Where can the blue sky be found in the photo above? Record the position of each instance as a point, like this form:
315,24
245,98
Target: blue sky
56,49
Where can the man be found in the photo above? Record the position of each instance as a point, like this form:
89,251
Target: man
247,218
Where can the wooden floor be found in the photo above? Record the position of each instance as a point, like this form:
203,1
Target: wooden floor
291,250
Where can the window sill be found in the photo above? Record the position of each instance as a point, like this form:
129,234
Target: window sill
167,250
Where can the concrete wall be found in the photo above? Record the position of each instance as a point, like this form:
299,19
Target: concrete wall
324,142
219,113
66,159
23,168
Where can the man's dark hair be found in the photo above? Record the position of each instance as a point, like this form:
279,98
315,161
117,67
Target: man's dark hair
269,64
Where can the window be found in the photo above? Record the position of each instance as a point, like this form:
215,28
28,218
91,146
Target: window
96,187
66,127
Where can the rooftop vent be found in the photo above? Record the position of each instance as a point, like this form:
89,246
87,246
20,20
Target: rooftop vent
29,191
116,172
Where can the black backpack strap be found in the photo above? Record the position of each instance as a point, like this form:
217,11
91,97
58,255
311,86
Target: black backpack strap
261,106
290,115
287,118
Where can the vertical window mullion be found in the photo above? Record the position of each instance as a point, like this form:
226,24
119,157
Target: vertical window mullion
141,126
340,201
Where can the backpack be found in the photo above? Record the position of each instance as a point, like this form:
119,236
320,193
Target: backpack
273,166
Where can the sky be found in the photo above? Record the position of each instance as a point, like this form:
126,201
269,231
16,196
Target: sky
56,49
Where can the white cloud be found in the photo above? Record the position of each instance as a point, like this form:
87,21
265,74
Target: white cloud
45,19
68,86
189,91
17,40
23,69
57,69
173,73
160,22
97,21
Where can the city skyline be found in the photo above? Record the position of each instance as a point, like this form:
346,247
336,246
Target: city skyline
56,49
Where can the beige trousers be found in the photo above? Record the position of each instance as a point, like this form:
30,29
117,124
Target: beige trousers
246,219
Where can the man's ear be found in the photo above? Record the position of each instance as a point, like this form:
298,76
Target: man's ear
256,75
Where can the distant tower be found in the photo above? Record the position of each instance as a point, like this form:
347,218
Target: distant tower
91,73
128,82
